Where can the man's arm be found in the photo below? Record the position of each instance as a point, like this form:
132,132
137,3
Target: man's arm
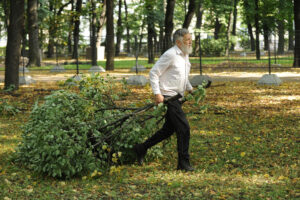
157,70
189,87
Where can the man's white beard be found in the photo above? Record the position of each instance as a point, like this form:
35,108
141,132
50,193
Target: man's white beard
186,49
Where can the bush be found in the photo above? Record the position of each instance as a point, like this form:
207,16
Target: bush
68,135
213,47
55,139
73,133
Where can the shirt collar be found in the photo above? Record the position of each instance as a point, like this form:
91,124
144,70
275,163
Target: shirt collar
178,50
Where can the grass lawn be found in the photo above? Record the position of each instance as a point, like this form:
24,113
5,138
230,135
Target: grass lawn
245,145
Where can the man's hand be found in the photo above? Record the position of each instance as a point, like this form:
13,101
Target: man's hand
159,98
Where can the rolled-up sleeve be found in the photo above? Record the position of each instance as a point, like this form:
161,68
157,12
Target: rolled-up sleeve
189,87
157,70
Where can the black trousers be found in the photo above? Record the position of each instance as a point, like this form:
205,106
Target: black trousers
175,121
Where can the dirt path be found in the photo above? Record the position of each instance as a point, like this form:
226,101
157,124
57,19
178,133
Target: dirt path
216,77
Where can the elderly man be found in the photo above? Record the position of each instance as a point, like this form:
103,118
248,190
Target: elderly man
168,77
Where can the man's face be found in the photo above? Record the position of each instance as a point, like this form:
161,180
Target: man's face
186,44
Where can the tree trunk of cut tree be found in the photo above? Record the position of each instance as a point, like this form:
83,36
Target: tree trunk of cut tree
13,47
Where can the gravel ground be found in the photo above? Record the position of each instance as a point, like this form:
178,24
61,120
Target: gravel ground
216,77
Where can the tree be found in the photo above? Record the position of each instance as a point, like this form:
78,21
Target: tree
33,30
110,45
257,30
119,28
169,25
235,4
267,13
199,14
189,16
101,22
77,28
297,33
248,10
290,27
71,25
150,29
281,25
127,27
93,32
13,47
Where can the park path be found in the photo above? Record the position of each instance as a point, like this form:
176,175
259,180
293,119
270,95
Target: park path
216,77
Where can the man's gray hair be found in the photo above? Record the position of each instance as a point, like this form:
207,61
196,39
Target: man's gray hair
178,35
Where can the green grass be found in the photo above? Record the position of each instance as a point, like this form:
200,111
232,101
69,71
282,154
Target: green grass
245,145
128,63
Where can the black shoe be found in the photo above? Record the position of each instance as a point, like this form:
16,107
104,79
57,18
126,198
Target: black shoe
184,165
140,151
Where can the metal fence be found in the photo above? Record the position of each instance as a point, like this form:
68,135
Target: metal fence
208,51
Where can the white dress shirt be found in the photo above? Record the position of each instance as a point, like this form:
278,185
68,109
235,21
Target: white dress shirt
169,75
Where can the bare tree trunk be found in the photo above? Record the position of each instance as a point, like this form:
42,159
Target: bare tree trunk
218,26
119,29
291,32
71,25
161,26
33,30
101,22
257,47
199,14
13,47
169,25
266,36
110,45
76,28
150,30
189,16
234,21
50,48
247,10
252,40
297,33
127,28
93,33
281,31
229,31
